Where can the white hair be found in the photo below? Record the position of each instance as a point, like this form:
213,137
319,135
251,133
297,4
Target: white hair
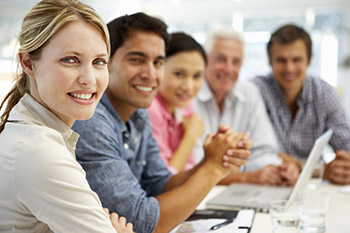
222,33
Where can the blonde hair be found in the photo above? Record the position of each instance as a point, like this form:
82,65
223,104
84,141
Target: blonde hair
38,27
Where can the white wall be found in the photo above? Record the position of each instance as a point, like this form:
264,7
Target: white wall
198,16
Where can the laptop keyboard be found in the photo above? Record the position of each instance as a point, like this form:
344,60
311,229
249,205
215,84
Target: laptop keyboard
269,195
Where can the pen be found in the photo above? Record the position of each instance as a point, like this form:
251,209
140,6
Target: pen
245,228
217,226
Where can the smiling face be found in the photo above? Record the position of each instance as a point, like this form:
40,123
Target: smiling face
136,70
71,74
224,63
289,63
184,73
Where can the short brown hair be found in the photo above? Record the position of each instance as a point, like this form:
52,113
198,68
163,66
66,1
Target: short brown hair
288,34
122,28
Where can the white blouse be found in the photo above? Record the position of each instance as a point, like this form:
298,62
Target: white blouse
42,187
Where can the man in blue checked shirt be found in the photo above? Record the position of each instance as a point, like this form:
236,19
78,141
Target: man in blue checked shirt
302,107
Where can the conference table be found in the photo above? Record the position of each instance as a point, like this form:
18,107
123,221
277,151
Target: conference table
337,218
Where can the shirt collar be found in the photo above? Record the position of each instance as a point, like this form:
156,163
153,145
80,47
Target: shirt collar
138,117
165,111
28,110
237,93
278,89
306,92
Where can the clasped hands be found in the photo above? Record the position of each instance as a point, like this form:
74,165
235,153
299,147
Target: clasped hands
227,150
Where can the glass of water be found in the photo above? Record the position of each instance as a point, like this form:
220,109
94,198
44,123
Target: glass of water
285,216
315,205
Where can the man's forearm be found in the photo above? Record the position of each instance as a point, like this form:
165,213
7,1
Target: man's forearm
178,204
235,178
181,177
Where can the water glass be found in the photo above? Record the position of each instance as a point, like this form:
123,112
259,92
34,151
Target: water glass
315,205
285,216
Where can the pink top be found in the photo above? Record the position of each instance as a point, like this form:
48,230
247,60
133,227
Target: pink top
167,130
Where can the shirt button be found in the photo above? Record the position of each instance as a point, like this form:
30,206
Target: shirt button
126,146
144,162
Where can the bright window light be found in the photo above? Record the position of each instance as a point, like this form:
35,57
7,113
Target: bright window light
199,37
237,21
175,2
6,66
310,17
329,59
257,37
127,7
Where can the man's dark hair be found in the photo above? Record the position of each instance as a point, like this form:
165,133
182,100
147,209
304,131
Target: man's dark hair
288,34
181,42
123,27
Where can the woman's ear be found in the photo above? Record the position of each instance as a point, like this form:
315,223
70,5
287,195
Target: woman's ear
26,63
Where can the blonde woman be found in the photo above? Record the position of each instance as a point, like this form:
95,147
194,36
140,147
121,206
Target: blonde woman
63,55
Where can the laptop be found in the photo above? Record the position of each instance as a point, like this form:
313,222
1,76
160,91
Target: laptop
240,196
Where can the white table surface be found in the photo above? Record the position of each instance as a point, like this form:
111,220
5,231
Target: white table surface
337,218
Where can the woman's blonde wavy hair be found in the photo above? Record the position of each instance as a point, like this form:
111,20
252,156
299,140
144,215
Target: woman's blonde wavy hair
38,27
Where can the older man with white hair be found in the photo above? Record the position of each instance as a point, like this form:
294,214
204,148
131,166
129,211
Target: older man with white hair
239,106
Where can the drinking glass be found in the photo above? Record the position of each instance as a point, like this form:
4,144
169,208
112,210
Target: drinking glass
285,216
315,205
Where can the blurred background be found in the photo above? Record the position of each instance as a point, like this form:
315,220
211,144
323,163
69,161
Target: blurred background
327,21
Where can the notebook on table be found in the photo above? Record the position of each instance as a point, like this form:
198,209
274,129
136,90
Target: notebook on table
239,196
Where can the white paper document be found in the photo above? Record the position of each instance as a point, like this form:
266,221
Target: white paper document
204,225
244,219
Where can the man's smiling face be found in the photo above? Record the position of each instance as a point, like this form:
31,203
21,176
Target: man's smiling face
135,71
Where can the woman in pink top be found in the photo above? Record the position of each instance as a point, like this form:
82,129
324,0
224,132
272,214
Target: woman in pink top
175,126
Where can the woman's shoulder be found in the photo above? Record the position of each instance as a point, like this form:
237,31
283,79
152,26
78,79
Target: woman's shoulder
35,141
36,152
157,111
157,105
